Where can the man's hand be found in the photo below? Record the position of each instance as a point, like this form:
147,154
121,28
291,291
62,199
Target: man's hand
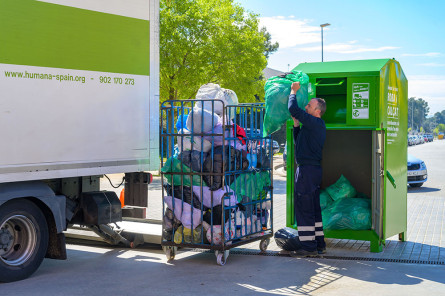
296,122
294,88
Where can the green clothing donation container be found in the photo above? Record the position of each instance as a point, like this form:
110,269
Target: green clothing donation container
366,123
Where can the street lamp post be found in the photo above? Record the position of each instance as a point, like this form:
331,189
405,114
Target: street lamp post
322,26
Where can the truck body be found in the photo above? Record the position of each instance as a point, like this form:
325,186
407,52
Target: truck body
79,85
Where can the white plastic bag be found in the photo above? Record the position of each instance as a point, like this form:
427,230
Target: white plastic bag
185,142
201,120
214,92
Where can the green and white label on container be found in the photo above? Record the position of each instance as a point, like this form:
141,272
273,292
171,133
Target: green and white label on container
360,101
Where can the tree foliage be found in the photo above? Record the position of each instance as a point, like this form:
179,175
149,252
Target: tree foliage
432,122
203,41
417,111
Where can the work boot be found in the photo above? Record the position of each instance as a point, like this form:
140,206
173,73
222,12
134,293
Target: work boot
321,251
303,253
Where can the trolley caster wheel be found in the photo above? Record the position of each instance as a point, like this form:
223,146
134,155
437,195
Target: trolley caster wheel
264,243
170,252
221,257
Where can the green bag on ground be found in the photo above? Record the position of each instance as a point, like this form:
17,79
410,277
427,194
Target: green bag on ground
361,195
341,189
173,165
325,199
348,213
277,91
251,185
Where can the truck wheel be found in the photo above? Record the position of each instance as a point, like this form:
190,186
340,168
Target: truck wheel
23,239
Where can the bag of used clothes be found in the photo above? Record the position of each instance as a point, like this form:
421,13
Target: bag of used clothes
250,185
184,235
193,159
341,189
201,121
277,90
181,122
249,224
348,213
234,160
216,99
169,223
173,165
189,216
325,199
188,142
214,234
217,138
211,198
183,193
214,216
287,239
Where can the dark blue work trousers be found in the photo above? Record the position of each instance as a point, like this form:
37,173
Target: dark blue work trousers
307,207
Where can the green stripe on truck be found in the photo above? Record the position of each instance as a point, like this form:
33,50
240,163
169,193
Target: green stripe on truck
49,35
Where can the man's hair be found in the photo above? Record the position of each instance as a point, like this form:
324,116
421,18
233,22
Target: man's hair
321,105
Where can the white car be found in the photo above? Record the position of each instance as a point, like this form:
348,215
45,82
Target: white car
417,172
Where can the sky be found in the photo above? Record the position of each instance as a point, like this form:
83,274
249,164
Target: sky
412,32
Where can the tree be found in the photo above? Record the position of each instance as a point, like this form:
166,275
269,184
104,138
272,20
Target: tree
269,47
417,112
439,117
203,41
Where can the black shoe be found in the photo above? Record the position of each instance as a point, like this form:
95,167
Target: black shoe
321,251
303,253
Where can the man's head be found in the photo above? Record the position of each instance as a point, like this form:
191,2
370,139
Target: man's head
316,107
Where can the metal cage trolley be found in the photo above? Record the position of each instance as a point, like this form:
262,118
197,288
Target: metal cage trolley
216,169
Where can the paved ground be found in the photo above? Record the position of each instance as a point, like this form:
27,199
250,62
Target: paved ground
426,216
100,269
116,271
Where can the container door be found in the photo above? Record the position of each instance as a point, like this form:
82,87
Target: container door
394,115
377,176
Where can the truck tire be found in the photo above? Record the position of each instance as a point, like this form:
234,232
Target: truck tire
23,239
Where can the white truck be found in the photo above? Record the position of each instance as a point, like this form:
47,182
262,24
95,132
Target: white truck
79,98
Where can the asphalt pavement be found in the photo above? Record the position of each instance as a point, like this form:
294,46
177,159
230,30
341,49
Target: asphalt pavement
402,268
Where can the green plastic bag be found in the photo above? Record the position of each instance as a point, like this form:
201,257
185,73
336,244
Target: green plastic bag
341,189
173,165
348,213
325,199
250,185
277,90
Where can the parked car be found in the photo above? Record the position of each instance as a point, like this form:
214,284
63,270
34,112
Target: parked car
417,172
265,145
430,137
425,138
410,140
421,139
256,134
414,140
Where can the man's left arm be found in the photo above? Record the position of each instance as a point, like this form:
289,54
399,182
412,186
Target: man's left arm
294,110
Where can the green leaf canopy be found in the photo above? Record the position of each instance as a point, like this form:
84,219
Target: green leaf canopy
203,41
